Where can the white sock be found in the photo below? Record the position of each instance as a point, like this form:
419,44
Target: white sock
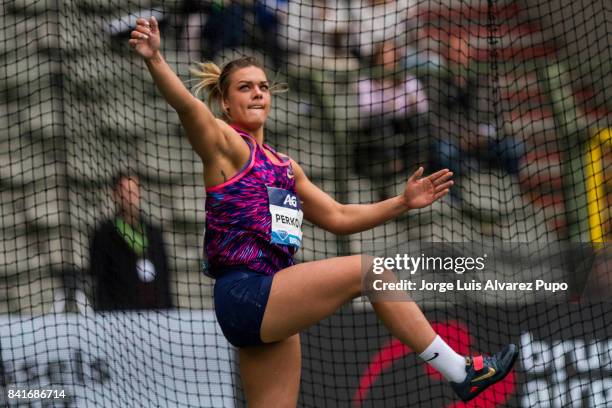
444,359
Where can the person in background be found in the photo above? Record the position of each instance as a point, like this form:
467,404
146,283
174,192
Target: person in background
389,89
318,34
375,21
471,140
479,147
127,255
234,23
392,109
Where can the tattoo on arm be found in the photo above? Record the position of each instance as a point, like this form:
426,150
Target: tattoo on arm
224,176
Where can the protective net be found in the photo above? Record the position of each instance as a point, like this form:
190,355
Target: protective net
512,96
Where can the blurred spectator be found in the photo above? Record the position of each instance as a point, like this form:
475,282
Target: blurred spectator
423,54
318,34
390,91
477,146
225,27
270,15
188,23
128,259
238,23
391,106
459,88
376,21
470,140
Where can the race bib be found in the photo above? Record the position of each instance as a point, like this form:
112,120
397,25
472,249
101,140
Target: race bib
287,215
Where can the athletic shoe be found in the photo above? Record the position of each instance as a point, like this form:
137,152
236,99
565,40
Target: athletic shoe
484,371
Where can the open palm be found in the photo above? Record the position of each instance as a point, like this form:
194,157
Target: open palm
145,37
421,192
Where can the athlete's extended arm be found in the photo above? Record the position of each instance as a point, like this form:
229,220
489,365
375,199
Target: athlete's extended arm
203,130
322,210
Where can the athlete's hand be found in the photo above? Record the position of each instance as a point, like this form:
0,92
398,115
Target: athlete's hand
145,38
420,192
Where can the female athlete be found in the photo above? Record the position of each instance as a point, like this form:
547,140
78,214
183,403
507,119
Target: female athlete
255,202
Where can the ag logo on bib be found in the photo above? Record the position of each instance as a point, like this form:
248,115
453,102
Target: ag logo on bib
286,213
290,200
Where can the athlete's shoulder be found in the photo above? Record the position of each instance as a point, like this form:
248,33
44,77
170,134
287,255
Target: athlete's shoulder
229,133
297,169
233,142
284,156
224,126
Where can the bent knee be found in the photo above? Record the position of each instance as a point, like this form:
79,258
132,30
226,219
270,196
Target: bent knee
361,266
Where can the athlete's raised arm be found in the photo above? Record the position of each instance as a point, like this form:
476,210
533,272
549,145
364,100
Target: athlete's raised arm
204,131
322,210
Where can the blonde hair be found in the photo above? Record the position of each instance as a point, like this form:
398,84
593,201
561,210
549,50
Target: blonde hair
215,81
208,74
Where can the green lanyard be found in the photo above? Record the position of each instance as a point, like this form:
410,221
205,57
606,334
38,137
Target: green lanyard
135,239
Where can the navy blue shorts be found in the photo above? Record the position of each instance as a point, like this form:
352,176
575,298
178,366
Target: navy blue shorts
241,296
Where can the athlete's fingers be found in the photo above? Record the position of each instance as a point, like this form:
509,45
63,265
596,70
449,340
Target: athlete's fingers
141,21
440,194
143,29
137,35
444,186
154,25
438,174
133,43
443,178
416,174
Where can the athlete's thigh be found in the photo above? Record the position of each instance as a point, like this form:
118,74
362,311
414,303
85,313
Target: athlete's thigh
271,373
304,294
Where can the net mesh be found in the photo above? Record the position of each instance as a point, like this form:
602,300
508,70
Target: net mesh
513,96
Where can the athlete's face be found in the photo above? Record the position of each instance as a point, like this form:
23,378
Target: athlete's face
248,98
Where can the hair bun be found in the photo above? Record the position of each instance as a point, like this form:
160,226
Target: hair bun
209,74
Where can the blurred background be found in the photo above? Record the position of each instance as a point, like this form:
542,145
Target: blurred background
513,96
